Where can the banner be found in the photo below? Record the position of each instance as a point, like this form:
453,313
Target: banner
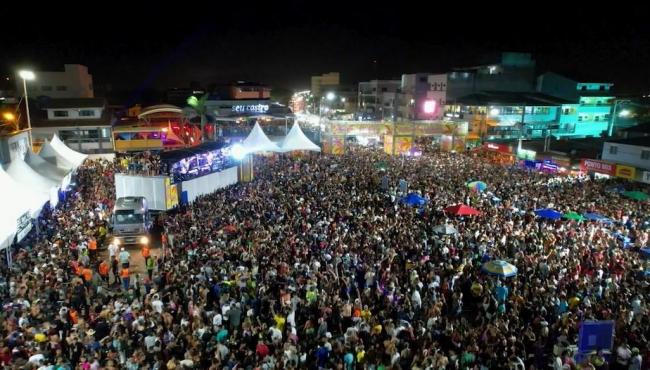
625,172
171,191
596,335
338,145
592,165
388,144
403,145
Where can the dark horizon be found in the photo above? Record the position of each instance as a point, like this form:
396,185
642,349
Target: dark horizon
287,47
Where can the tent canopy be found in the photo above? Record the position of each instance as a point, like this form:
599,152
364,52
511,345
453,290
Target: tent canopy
17,199
46,168
29,178
297,140
70,155
257,141
51,155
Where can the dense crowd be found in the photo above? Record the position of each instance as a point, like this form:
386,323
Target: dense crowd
140,163
317,264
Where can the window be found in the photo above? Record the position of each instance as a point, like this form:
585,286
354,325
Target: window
46,88
596,118
61,88
384,89
60,113
645,154
613,149
583,88
423,79
86,113
602,87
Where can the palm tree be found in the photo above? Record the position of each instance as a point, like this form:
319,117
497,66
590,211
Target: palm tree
198,105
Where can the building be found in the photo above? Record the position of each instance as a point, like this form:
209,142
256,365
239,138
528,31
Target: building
320,85
73,82
590,113
513,72
507,115
377,99
13,144
413,101
84,124
437,94
631,156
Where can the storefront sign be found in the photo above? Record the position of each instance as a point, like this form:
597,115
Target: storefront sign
591,165
645,177
625,172
254,108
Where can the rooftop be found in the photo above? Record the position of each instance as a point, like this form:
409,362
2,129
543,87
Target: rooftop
73,103
511,98
636,141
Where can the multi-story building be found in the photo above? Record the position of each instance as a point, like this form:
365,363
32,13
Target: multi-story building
73,82
320,85
377,99
590,113
631,156
413,102
507,115
84,124
514,72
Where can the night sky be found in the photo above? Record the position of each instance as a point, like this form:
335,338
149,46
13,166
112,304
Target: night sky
129,49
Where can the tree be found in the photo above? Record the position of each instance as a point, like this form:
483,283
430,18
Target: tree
198,105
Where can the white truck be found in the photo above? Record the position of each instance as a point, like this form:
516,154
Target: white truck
131,221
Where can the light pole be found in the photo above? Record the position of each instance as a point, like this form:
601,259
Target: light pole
27,75
612,119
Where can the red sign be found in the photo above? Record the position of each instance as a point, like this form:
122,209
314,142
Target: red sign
591,165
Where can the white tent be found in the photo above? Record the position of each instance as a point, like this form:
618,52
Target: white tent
14,196
29,178
54,157
296,140
47,169
70,155
257,141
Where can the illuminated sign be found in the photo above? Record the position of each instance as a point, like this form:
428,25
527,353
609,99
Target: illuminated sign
24,224
429,106
492,146
253,108
625,172
588,165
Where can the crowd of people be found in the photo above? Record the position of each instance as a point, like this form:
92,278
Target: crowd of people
140,163
317,264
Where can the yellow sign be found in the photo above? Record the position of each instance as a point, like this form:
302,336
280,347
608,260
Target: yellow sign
625,172
403,145
388,144
338,145
171,192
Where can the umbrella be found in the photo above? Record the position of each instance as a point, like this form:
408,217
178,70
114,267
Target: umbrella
573,216
596,217
462,210
382,166
551,214
499,268
477,186
445,229
414,199
636,195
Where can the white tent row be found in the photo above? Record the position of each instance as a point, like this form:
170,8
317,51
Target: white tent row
58,154
297,140
72,156
48,170
26,176
257,141
16,200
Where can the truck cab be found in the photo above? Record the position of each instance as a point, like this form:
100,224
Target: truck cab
131,221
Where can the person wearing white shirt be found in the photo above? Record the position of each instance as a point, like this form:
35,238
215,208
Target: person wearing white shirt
156,304
217,321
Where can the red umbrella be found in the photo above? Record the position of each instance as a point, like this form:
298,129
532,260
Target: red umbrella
462,210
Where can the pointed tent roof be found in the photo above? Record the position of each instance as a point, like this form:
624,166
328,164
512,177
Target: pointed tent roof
70,155
257,141
45,168
297,140
51,155
29,178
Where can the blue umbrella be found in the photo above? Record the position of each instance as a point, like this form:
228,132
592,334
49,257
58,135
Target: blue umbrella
414,200
597,217
548,213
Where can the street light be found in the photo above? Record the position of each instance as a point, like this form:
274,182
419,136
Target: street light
27,75
330,96
624,113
